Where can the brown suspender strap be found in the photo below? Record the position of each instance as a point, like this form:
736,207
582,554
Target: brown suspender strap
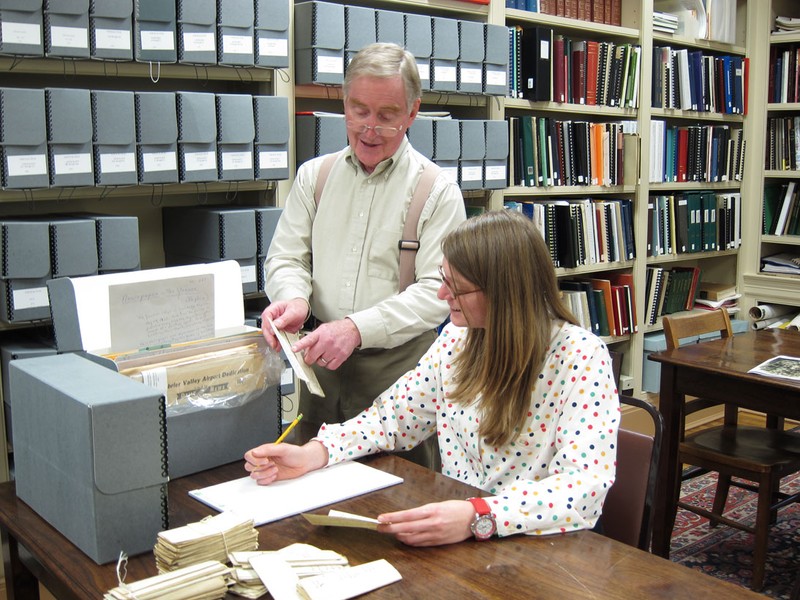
410,242
322,176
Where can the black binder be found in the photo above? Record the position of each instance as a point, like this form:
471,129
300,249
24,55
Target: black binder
537,45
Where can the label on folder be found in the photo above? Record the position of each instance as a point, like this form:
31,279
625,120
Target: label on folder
157,40
273,47
118,162
69,37
21,33
27,164
112,39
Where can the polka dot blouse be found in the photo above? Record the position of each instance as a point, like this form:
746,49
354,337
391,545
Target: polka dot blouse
552,478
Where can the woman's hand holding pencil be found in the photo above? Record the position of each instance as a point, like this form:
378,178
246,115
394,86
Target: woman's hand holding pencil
277,461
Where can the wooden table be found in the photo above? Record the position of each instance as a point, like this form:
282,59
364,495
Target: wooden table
575,565
716,369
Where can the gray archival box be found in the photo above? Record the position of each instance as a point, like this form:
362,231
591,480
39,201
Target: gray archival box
88,439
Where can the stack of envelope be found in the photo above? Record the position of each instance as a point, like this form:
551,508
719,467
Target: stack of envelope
213,538
246,582
204,581
298,560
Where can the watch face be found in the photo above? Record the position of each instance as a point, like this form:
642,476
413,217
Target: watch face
483,527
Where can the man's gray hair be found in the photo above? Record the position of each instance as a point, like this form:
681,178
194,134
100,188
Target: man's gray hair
386,60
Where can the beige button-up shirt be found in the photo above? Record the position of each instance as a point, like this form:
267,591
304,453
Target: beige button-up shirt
344,258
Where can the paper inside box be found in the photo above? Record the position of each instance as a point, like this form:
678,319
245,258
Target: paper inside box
178,329
217,373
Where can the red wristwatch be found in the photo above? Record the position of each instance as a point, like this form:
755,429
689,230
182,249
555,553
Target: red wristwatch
483,526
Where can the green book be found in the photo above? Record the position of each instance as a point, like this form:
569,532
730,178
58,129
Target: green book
545,176
695,207
602,313
772,201
527,151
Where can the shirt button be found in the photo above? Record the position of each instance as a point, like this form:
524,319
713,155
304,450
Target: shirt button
355,249
361,214
347,284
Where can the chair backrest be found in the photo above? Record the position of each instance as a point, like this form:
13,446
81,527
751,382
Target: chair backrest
677,328
628,509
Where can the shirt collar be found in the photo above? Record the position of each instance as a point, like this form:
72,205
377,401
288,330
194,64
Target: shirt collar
384,167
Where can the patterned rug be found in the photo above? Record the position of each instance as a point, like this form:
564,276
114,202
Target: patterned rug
727,553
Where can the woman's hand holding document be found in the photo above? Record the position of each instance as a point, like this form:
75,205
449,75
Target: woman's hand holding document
338,518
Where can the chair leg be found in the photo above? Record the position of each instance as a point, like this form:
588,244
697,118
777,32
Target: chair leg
720,497
774,422
795,595
763,514
776,488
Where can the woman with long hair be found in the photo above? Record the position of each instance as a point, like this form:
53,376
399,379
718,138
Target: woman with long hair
522,399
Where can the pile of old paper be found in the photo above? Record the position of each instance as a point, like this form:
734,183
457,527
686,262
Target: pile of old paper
303,560
213,538
204,581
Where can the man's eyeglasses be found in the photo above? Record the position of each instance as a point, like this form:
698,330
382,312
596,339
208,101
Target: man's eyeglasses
381,130
449,286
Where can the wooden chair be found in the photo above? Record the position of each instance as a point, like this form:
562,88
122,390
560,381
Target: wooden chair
678,328
762,455
627,512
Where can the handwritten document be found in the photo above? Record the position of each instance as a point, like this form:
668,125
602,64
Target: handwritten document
267,503
162,311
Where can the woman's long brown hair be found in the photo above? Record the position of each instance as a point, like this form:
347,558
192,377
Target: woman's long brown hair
503,254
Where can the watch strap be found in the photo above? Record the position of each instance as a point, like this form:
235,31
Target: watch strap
481,506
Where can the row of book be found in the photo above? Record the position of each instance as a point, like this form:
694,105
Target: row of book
548,67
604,306
608,12
693,222
783,83
668,291
691,80
781,214
708,153
583,231
544,151
783,144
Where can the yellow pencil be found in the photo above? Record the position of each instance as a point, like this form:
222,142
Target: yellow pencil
289,428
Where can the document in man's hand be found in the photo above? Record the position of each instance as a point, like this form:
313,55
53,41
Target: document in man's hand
297,361
267,503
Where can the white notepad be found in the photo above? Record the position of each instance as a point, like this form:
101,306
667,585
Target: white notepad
267,503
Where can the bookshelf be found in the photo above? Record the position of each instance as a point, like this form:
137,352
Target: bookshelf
739,265
572,34
723,263
761,287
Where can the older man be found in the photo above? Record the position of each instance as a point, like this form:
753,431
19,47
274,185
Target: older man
337,258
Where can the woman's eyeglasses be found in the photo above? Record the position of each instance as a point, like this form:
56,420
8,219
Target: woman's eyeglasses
449,286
